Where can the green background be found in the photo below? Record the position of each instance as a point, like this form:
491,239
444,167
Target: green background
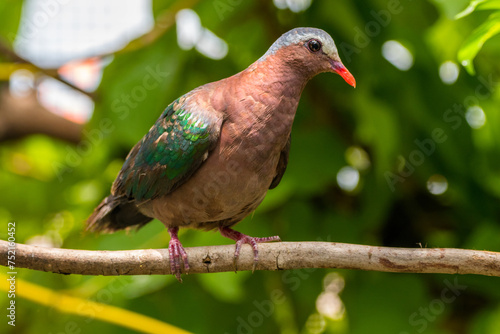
388,112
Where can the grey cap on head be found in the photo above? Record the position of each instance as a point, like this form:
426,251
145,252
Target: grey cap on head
297,35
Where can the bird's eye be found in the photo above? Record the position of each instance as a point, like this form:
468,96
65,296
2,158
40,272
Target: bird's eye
314,45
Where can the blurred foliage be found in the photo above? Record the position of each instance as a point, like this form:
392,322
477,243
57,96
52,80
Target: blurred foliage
485,31
396,119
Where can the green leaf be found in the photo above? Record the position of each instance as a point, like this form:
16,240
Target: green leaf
478,5
11,14
475,41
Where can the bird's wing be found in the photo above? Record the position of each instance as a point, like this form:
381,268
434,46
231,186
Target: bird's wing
173,149
282,163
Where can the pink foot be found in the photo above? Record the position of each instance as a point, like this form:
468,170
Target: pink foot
175,252
241,239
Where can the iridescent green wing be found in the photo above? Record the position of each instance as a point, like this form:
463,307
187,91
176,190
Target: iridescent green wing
173,149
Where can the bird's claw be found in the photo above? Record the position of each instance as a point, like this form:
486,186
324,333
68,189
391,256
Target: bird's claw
176,252
241,239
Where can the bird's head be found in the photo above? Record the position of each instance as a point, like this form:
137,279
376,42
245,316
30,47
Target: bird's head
310,50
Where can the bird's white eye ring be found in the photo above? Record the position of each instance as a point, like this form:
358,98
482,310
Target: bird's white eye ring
314,45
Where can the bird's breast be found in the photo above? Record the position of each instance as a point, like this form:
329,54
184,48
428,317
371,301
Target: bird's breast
235,178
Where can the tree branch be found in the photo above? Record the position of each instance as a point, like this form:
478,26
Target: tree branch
10,54
21,117
272,256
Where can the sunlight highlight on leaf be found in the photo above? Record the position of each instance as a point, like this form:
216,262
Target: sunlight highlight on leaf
475,41
78,306
478,5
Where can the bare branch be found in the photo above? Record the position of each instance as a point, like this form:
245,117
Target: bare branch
273,256
21,117
163,23
10,54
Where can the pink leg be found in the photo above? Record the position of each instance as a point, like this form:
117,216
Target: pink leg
175,252
241,239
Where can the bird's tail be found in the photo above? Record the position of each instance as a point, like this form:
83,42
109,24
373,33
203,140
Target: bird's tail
116,213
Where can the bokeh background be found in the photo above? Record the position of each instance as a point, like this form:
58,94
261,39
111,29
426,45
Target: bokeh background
410,158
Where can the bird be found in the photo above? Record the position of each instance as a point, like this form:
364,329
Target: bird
212,155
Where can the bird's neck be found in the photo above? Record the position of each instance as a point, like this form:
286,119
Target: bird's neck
260,105
276,76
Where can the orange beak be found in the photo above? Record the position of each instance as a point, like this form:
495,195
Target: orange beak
340,69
